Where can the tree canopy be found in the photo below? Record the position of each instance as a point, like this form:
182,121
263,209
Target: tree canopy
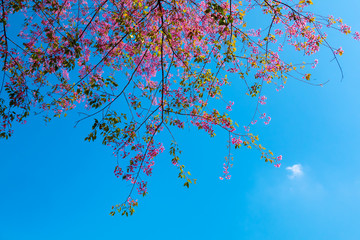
139,69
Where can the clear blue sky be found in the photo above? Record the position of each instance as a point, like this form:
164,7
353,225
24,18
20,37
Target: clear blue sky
53,185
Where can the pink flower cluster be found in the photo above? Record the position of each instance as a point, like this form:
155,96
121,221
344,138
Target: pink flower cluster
267,118
142,187
262,100
229,106
339,51
236,141
225,172
278,158
118,172
356,36
315,63
345,28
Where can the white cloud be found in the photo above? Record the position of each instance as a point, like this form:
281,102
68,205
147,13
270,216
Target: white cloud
295,170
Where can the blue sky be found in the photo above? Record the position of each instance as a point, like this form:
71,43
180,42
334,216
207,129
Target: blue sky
56,186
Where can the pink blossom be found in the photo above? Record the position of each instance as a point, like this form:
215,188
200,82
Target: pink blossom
228,107
315,63
356,36
262,100
65,74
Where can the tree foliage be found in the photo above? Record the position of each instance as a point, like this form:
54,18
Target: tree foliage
140,68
